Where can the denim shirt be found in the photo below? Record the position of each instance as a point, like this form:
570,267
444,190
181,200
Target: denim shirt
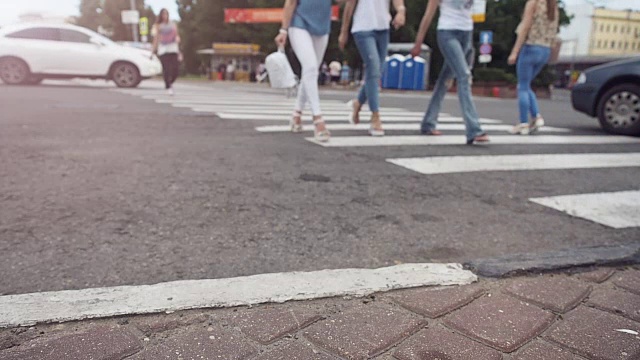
313,16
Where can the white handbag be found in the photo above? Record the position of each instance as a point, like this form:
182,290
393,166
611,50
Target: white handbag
281,75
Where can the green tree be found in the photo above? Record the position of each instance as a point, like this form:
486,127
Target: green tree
106,14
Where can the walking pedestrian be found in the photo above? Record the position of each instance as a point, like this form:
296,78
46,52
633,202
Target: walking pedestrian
334,70
231,71
166,44
455,35
536,34
371,25
345,73
307,24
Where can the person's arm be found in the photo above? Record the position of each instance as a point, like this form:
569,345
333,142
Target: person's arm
289,9
154,31
523,32
346,22
425,23
401,14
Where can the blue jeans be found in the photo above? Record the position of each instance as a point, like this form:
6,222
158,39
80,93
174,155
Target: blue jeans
531,60
455,46
372,46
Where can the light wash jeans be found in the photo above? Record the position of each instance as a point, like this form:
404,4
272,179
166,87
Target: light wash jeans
531,60
455,45
310,50
372,46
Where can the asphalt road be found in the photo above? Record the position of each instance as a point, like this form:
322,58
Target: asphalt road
103,188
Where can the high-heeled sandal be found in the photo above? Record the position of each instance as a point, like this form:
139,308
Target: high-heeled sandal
296,122
320,135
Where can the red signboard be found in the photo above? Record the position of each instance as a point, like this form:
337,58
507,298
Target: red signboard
263,15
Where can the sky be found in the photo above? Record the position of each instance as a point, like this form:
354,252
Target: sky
11,9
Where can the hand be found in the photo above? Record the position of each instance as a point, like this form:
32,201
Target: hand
416,50
343,39
513,58
399,20
281,40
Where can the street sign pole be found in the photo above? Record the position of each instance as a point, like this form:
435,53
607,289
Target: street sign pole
134,27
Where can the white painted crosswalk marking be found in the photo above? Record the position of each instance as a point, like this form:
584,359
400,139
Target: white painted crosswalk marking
397,126
363,141
461,164
615,209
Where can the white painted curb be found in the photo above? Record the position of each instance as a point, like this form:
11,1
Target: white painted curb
60,306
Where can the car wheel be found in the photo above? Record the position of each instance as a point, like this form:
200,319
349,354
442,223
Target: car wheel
126,75
14,71
619,110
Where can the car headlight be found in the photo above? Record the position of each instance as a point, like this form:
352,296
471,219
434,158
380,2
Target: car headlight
582,79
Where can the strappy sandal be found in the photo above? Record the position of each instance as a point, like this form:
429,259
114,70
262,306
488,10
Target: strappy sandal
296,122
320,135
374,130
480,139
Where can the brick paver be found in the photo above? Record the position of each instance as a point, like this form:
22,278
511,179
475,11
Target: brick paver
295,351
557,293
160,323
500,321
202,344
629,280
269,324
100,343
434,303
363,331
597,276
595,334
442,343
617,301
541,350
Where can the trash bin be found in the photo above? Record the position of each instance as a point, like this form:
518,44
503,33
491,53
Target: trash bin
413,73
391,72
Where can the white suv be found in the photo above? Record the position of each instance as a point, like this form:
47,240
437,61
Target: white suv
30,53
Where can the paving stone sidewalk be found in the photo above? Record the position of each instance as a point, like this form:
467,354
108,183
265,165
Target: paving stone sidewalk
591,314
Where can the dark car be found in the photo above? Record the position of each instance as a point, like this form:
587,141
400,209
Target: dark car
611,92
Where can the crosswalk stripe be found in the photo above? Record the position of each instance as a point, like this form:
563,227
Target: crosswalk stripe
285,117
398,126
614,209
414,140
463,164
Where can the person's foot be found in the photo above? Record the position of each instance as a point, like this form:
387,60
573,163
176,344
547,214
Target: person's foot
376,125
354,108
480,139
536,124
520,129
296,122
170,92
320,132
433,132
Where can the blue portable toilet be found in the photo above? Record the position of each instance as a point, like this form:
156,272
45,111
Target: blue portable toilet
391,72
413,73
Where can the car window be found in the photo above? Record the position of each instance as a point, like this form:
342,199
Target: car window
74,36
39,33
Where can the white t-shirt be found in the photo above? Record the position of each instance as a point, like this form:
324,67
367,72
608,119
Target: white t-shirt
456,15
372,15
335,68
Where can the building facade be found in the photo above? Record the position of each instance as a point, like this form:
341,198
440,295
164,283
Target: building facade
596,31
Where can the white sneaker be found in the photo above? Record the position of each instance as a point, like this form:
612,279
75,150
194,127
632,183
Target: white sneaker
520,129
170,92
536,124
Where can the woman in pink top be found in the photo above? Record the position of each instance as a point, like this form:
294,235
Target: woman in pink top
166,44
